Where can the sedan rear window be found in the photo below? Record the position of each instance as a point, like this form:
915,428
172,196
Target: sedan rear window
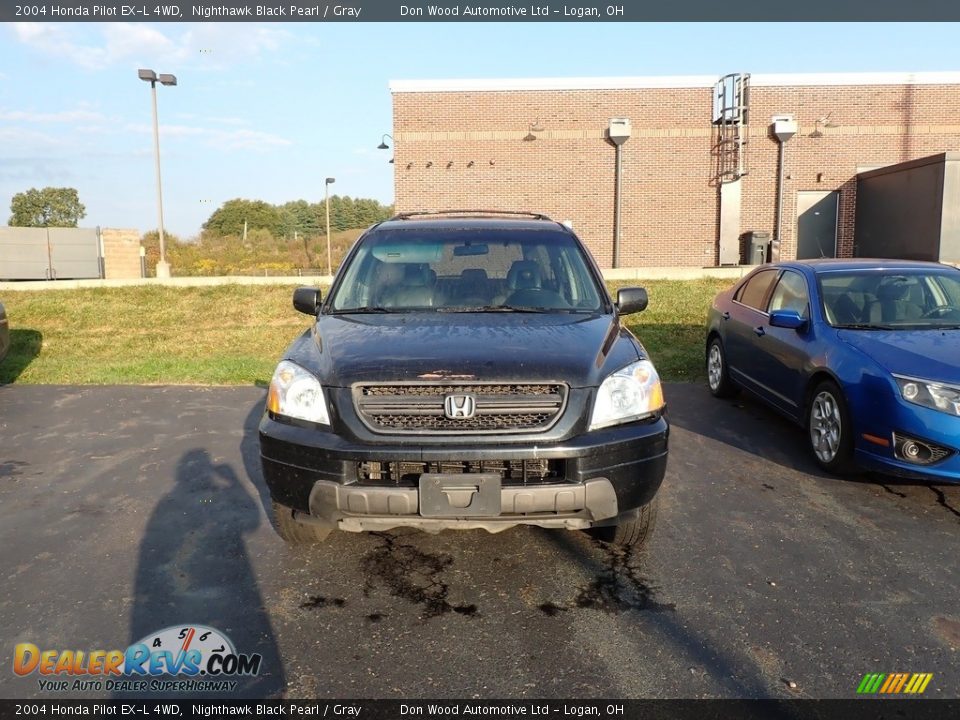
754,291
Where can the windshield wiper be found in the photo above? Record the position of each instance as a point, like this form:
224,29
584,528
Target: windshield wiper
492,308
864,326
364,311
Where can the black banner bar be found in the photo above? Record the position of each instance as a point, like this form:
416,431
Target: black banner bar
424,11
858,709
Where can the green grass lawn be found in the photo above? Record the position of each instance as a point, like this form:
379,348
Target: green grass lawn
234,334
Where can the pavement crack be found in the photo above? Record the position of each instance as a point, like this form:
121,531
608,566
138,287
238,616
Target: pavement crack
942,500
893,492
412,575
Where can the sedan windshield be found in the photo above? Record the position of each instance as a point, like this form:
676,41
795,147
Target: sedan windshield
467,270
889,299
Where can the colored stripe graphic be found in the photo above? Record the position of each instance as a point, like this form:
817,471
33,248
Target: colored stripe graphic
870,683
918,683
894,683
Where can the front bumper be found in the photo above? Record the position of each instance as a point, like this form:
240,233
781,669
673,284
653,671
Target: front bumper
890,414
607,473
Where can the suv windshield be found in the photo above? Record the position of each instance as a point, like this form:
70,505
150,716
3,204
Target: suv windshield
467,270
891,299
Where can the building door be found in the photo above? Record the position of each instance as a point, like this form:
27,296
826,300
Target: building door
817,224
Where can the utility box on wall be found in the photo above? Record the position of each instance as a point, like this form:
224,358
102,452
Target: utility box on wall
910,211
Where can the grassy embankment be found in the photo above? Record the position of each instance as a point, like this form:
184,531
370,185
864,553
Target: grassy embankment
234,334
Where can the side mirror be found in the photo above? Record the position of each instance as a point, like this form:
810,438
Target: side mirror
790,319
631,300
307,300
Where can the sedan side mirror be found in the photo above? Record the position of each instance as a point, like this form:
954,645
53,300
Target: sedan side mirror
631,300
307,300
790,319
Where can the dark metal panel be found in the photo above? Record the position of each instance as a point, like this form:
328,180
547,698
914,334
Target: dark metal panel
817,224
950,224
899,210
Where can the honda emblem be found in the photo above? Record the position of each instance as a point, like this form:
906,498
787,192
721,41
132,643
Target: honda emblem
458,407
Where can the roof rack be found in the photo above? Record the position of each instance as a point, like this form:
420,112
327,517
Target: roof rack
428,213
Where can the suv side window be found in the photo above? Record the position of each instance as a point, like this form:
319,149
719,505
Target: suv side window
754,292
790,294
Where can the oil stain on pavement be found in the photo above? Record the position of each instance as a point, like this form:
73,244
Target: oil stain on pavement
408,573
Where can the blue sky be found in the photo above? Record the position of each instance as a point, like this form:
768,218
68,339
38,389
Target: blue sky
266,111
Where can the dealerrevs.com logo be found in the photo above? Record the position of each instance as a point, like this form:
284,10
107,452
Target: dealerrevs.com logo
187,658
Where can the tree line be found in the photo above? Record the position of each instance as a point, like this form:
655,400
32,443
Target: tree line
296,218
61,207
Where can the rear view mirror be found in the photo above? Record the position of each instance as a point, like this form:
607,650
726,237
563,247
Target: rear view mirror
631,300
307,300
471,249
790,319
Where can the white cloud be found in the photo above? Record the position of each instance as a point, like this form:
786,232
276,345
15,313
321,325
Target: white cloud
25,139
63,116
204,46
235,139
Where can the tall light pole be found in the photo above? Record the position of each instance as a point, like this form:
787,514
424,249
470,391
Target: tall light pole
326,188
163,267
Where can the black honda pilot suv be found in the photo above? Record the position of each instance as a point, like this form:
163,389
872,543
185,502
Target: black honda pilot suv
467,370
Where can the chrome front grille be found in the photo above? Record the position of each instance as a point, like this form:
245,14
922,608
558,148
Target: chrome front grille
412,408
512,472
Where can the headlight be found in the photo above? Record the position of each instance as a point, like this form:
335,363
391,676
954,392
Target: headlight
945,398
629,394
295,393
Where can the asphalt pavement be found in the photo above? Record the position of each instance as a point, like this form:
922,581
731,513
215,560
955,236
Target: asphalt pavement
125,510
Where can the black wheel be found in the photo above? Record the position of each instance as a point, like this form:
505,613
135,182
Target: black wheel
630,532
718,379
294,532
829,428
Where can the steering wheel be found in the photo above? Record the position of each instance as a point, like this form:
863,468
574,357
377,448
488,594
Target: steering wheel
940,311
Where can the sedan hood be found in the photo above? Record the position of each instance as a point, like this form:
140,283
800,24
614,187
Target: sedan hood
580,350
926,354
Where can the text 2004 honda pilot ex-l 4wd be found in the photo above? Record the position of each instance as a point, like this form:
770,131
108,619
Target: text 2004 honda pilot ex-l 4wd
467,370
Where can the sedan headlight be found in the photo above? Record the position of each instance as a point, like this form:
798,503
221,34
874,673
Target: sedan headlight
628,394
945,398
296,393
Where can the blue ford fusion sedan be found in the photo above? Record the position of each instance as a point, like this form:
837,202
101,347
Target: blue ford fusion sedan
864,354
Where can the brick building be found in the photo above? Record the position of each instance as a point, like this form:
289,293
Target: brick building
541,144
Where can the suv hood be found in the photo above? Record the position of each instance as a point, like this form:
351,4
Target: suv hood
580,350
925,354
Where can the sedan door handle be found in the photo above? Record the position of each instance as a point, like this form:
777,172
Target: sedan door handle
760,331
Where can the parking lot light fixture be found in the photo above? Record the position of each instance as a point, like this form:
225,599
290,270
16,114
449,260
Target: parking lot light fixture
163,267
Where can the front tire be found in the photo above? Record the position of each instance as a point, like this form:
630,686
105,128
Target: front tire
718,378
829,428
632,532
293,532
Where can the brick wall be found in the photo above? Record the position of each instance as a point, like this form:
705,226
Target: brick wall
467,149
121,253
